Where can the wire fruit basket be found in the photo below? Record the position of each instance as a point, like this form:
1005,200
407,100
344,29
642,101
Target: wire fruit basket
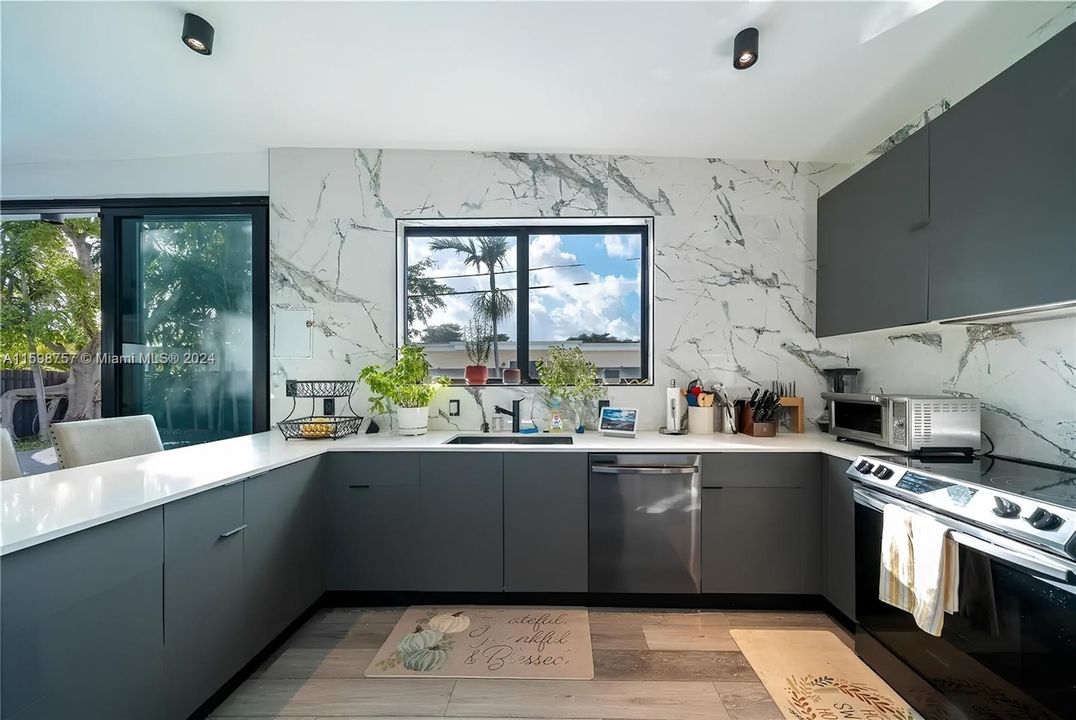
316,427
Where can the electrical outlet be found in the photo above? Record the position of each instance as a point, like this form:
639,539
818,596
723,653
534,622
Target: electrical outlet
328,406
453,408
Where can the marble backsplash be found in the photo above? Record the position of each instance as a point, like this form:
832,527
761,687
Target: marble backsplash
734,245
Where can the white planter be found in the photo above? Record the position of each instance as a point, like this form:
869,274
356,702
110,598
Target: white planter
412,421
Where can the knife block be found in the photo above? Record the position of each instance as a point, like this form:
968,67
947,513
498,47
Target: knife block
755,429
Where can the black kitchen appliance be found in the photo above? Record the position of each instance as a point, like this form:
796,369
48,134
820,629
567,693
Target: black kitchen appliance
1010,650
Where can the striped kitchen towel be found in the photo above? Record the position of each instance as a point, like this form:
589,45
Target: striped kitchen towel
919,567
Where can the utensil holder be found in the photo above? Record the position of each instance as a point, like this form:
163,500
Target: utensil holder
796,414
700,420
755,429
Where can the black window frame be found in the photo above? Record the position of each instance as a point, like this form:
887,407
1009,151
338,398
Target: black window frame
523,229
112,212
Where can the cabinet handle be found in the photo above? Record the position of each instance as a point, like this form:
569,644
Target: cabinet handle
234,531
358,487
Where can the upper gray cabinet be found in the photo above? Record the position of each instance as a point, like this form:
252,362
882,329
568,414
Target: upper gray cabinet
872,251
1003,189
976,213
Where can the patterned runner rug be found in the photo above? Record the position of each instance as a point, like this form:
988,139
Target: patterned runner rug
488,642
811,674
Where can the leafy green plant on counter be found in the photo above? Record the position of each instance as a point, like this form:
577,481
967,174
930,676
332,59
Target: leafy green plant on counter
567,374
406,384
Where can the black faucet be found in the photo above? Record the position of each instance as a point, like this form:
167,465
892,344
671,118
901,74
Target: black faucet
514,413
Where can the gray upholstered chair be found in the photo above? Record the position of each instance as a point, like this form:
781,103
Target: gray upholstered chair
9,461
93,441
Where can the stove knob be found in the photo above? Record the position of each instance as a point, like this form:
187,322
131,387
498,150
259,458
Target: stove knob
1005,508
882,472
1044,520
864,467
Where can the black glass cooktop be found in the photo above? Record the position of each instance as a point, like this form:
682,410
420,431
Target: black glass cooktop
1044,484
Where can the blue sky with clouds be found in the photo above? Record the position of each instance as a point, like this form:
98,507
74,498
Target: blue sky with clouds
594,286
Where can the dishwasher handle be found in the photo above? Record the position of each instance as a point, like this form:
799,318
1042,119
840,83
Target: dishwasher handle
644,469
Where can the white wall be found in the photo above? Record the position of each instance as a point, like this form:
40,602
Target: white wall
188,176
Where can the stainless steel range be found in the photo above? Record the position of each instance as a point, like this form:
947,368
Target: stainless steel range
1029,503
1009,650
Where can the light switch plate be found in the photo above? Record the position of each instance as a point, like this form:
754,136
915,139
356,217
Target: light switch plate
453,408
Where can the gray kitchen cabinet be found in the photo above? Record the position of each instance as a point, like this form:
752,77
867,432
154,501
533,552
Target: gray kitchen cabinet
545,522
372,509
460,522
838,536
204,614
80,618
1002,189
282,548
872,251
760,523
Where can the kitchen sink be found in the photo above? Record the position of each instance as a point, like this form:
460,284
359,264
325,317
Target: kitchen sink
510,440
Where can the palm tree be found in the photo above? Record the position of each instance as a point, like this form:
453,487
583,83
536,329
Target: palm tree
487,255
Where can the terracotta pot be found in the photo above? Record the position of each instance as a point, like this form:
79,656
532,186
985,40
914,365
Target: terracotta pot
476,374
511,376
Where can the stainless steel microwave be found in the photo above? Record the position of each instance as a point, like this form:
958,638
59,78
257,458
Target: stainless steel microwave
909,423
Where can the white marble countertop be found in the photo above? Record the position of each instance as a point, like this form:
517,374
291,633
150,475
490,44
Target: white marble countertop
43,507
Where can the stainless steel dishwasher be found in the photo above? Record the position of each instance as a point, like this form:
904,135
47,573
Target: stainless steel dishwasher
645,523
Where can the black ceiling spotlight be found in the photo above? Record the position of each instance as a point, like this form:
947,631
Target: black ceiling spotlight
52,218
197,34
745,49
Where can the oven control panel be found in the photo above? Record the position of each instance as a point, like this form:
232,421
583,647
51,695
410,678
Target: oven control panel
1049,526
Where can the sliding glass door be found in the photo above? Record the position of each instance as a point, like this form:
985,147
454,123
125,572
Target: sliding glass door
190,294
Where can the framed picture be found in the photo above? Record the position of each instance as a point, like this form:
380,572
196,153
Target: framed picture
618,421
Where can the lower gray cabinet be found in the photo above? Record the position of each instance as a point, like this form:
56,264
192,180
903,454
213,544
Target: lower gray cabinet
545,522
371,520
460,522
282,572
80,618
204,615
838,536
760,523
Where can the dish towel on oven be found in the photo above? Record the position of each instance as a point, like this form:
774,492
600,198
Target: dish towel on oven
919,570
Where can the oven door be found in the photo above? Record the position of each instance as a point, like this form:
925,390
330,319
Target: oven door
1010,650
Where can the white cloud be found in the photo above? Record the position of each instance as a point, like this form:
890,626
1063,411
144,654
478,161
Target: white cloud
623,246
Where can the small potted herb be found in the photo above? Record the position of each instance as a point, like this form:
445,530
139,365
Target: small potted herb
477,340
567,375
406,387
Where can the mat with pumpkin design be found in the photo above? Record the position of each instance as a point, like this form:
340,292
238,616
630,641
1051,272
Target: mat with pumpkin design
488,642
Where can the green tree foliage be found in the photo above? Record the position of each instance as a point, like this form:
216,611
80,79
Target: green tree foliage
599,338
486,255
424,295
446,333
50,301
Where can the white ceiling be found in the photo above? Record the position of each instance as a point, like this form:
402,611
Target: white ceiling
103,81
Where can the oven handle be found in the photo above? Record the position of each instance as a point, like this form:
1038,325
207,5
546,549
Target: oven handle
1025,558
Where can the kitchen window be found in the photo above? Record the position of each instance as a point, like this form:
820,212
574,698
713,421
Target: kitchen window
525,286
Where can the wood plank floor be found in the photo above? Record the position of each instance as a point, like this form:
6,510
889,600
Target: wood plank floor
648,665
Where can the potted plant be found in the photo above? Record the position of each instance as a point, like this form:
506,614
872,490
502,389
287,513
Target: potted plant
567,375
477,340
405,387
